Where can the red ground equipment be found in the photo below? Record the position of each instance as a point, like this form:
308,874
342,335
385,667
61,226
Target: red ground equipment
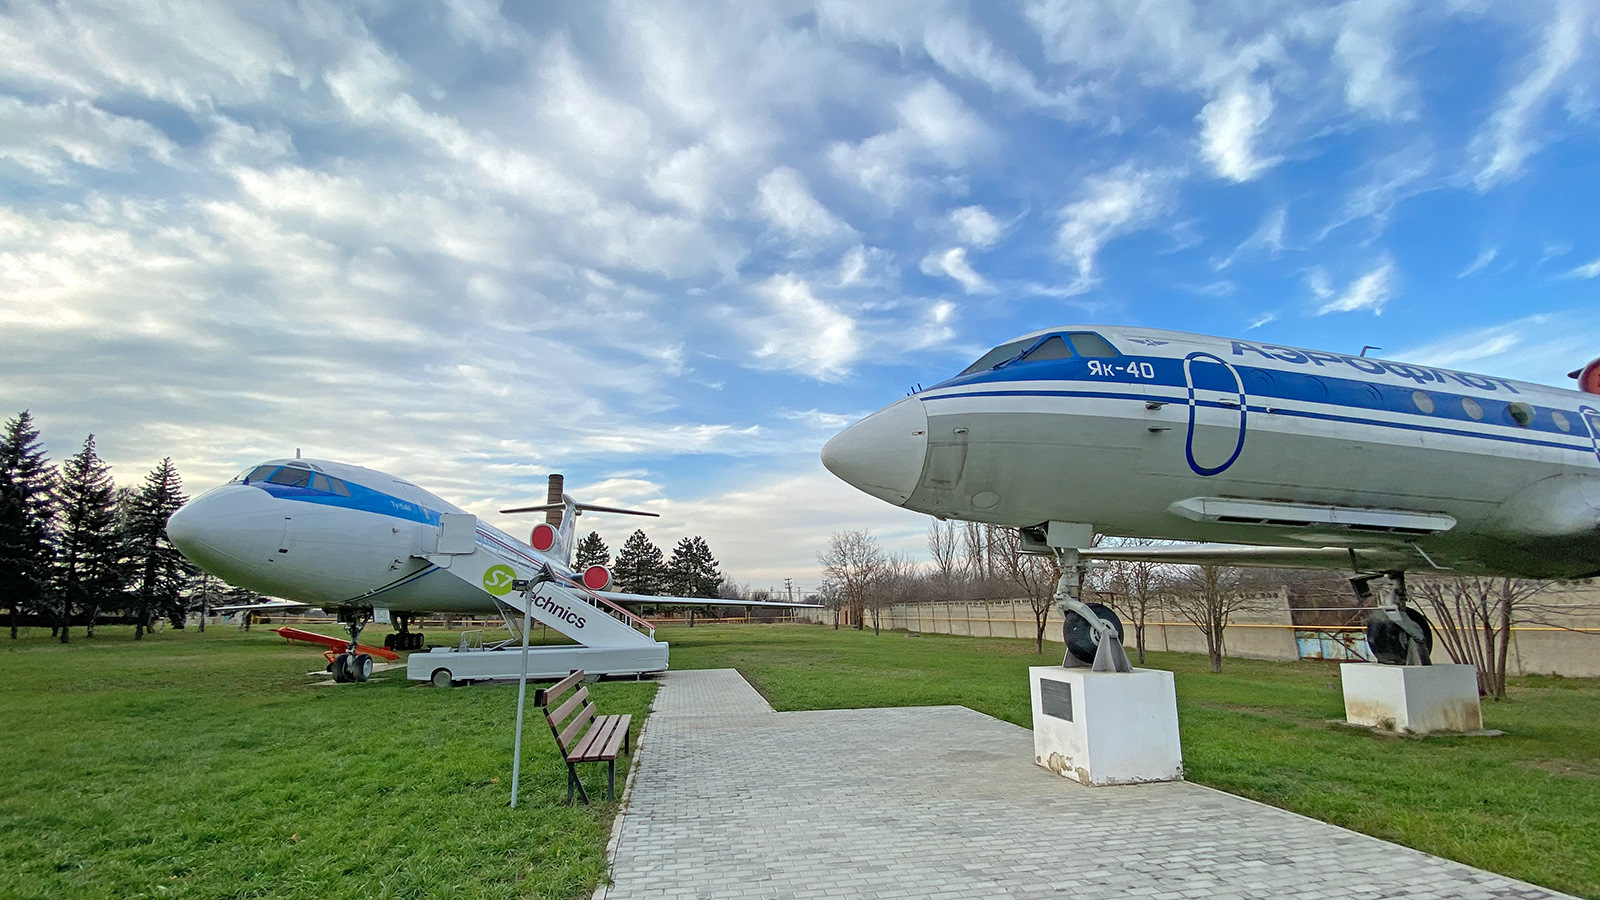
338,645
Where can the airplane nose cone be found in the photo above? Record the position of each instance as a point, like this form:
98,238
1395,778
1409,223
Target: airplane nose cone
227,531
883,453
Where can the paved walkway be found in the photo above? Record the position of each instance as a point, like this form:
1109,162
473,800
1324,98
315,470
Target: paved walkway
731,800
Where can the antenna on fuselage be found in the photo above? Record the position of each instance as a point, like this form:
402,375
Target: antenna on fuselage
1367,347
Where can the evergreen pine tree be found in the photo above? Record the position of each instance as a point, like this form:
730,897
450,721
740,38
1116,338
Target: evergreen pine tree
88,562
26,510
692,572
639,568
158,570
591,552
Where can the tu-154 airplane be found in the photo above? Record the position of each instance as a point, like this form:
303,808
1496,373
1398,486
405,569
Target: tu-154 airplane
363,544
1273,455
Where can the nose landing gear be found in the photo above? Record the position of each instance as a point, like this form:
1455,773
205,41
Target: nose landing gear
1397,634
1092,632
350,665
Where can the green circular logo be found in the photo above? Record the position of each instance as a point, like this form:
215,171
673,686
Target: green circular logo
497,580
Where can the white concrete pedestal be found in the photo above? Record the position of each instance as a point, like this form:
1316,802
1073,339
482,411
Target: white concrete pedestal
1418,699
1106,727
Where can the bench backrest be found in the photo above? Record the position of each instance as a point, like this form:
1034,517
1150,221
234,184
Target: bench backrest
568,716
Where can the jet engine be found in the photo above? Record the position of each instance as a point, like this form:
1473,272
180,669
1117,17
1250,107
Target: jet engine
1588,378
595,578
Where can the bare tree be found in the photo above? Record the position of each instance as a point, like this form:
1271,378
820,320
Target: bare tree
1473,617
854,562
1035,576
1208,596
949,569
832,599
1135,586
895,582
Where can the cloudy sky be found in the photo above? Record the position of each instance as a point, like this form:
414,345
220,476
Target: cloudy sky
670,248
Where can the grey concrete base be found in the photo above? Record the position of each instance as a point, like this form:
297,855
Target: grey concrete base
1418,699
731,800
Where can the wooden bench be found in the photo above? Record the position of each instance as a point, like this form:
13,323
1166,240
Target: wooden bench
604,738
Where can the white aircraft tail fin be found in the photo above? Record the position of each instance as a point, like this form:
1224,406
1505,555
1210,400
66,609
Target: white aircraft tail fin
558,535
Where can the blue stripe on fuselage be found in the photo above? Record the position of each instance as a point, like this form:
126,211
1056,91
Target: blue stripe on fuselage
1352,399
361,498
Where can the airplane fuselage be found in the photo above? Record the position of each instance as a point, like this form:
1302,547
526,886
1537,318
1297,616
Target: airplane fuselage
352,537
1160,434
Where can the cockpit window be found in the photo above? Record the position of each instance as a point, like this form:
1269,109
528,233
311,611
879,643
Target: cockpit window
259,473
1000,354
319,482
291,477
1089,344
339,487
1053,348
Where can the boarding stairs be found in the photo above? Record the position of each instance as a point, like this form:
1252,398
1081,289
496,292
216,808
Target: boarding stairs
610,640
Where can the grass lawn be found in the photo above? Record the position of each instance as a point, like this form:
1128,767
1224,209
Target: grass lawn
192,765
1526,804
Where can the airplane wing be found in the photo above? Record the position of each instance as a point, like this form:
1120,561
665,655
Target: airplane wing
268,606
617,597
1360,559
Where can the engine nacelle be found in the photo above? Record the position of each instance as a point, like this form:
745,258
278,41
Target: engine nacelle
595,578
543,538
1588,378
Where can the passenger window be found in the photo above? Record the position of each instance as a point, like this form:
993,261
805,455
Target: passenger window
1520,413
1092,345
290,477
1594,423
1052,348
1471,407
998,355
320,482
259,473
1423,400
1560,418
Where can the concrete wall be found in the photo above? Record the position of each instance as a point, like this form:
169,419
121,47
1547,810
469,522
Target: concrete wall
1267,631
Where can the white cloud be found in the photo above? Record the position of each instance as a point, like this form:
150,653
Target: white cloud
1478,263
45,137
1113,204
975,226
787,203
1389,180
1267,238
1230,127
800,331
1504,145
1592,270
935,130
1365,49
1540,348
953,264
1371,292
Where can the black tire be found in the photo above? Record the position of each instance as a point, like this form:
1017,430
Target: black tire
442,678
388,640
361,668
1079,636
1387,640
341,668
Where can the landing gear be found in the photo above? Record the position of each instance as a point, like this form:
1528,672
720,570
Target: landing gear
405,638
1397,634
1092,632
352,666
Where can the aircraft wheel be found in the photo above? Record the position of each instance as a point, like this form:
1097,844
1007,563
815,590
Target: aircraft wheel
442,678
1080,637
1388,643
388,641
361,668
341,668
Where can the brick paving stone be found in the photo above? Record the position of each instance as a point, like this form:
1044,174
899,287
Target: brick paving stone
731,800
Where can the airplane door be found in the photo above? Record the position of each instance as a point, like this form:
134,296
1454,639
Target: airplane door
1591,418
1217,413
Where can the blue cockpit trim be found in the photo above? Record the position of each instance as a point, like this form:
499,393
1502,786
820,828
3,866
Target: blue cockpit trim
361,498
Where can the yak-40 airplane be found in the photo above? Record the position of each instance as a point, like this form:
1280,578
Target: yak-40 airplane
362,545
1278,455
